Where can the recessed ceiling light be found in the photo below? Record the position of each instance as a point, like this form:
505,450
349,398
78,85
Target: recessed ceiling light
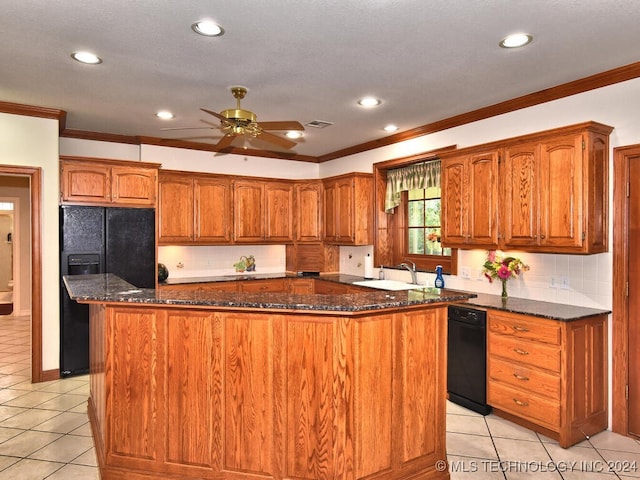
294,134
369,102
516,40
207,28
390,128
165,115
86,57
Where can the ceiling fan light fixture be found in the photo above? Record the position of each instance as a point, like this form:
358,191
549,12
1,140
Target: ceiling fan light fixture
516,40
86,58
165,115
293,134
369,102
207,28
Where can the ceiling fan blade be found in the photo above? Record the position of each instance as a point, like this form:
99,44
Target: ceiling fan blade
225,142
292,125
271,138
215,114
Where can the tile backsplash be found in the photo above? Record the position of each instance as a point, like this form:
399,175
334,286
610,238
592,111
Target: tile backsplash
202,261
583,280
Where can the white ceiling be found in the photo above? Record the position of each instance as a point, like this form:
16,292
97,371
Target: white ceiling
301,60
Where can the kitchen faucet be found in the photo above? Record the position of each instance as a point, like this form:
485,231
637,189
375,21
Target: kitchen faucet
412,271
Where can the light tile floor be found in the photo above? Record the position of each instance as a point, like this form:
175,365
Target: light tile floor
45,433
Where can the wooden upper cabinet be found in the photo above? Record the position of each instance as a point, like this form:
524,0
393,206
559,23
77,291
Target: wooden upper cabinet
308,209
212,202
194,209
470,200
521,212
263,211
348,209
175,213
561,193
107,182
551,192
248,210
278,199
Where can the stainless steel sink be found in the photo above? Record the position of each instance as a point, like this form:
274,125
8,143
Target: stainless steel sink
388,285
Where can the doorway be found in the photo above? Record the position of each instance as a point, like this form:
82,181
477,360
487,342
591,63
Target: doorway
626,291
33,268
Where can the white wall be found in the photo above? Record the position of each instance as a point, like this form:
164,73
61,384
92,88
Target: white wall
33,142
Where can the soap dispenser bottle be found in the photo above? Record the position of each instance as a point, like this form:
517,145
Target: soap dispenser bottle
439,279
381,273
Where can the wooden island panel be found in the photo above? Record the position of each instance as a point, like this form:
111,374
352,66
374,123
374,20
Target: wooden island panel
200,393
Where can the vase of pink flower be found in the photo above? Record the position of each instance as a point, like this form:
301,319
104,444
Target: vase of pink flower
503,269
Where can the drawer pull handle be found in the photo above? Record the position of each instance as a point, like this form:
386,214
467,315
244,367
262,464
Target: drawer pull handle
521,377
520,329
521,403
520,351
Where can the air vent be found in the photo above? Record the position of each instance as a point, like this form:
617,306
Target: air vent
318,124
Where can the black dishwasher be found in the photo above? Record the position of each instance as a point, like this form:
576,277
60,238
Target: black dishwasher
467,358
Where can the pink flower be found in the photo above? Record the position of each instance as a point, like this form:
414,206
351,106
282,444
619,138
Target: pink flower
491,256
503,272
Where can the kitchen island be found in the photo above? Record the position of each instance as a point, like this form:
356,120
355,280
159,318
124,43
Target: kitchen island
188,385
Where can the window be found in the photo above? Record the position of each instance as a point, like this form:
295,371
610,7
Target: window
423,223
411,229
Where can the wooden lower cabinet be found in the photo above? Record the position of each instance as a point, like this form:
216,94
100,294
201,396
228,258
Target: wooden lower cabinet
549,375
197,393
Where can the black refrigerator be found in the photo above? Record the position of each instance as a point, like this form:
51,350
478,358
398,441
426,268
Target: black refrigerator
100,240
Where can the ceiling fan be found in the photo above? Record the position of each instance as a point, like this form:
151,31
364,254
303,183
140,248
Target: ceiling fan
236,122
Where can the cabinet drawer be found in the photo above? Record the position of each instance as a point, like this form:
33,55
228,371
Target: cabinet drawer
257,286
524,377
524,404
525,328
531,353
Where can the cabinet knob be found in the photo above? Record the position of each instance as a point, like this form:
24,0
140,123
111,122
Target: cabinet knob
521,377
543,237
521,403
519,351
520,329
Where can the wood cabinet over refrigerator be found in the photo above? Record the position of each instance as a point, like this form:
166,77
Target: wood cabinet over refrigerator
115,183
544,192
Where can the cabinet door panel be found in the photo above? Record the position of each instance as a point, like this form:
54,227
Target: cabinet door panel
248,210
175,219
483,200
521,205
212,210
130,185
279,214
330,211
308,211
454,203
346,210
85,183
561,192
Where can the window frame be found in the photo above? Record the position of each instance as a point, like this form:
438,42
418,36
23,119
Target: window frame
391,230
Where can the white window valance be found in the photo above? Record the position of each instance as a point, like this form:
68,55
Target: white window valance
411,177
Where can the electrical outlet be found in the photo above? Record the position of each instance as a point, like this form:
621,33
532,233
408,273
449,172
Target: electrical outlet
552,282
564,283
465,272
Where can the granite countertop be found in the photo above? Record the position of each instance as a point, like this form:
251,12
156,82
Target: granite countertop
110,288
536,308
